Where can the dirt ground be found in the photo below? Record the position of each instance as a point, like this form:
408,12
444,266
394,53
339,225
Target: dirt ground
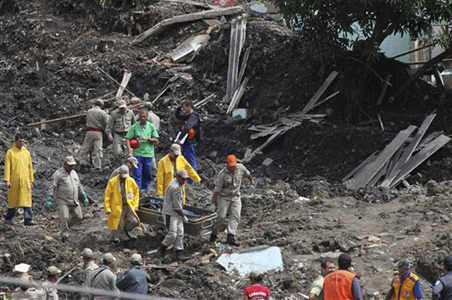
49,67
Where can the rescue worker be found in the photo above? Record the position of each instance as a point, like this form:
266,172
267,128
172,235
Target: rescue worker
174,217
131,163
169,165
342,284
88,266
104,278
191,128
226,196
134,280
26,290
49,284
121,201
405,285
67,189
96,123
256,291
121,120
147,135
18,176
443,286
152,117
326,267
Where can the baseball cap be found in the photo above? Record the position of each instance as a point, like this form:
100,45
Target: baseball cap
147,105
108,257
183,173
70,161
87,253
122,104
52,270
231,160
99,102
124,171
254,274
176,149
136,259
134,161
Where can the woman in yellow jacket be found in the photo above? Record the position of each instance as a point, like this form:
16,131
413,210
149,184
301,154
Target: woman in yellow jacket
169,165
122,198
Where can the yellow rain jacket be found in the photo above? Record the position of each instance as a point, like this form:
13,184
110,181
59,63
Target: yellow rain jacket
165,173
113,200
19,171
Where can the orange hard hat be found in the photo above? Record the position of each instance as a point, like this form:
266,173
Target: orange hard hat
191,133
134,143
231,160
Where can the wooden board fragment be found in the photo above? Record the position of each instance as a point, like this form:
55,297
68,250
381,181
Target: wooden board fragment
124,82
368,160
320,92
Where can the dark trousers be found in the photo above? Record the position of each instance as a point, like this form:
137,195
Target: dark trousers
12,211
188,151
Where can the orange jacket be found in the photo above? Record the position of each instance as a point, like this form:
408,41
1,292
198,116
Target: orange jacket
338,285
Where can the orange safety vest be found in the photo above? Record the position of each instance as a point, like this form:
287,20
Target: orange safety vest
338,285
404,291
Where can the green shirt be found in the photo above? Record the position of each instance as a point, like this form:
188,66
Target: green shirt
146,148
317,287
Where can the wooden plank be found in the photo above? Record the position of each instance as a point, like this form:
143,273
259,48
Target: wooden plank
114,80
187,18
235,65
379,175
264,145
229,87
237,96
326,99
409,150
266,132
420,157
204,101
194,3
57,120
125,80
383,90
320,92
368,160
244,64
372,169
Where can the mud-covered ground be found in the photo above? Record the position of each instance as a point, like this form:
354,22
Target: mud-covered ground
50,55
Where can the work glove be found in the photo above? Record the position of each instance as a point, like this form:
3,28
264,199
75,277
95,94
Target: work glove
185,219
85,200
48,203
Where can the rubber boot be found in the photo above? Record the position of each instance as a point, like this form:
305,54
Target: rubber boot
180,257
213,238
161,252
232,241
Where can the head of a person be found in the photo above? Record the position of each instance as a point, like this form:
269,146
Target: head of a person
447,263
20,140
143,116
122,107
108,259
175,151
231,161
187,106
182,176
255,277
123,172
327,266
99,102
136,260
403,267
24,281
69,163
88,255
132,163
52,273
147,106
344,261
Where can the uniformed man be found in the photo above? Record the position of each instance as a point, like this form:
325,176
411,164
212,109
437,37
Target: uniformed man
404,284
131,163
443,286
67,188
104,277
326,267
96,123
174,217
133,280
88,266
226,196
152,117
121,202
26,290
49,284
121,120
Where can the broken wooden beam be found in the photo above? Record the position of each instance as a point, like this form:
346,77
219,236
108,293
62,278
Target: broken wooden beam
115,81
213,13
320,92
204,101
57,120
194,3
125,80
368,160
237,96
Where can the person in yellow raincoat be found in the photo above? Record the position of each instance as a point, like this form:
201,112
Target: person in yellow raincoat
167,166
19,179
122,198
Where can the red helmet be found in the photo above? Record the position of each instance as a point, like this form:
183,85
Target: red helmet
191,133
134,143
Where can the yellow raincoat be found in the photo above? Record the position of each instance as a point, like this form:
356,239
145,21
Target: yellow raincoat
165,173
19,171
113,200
